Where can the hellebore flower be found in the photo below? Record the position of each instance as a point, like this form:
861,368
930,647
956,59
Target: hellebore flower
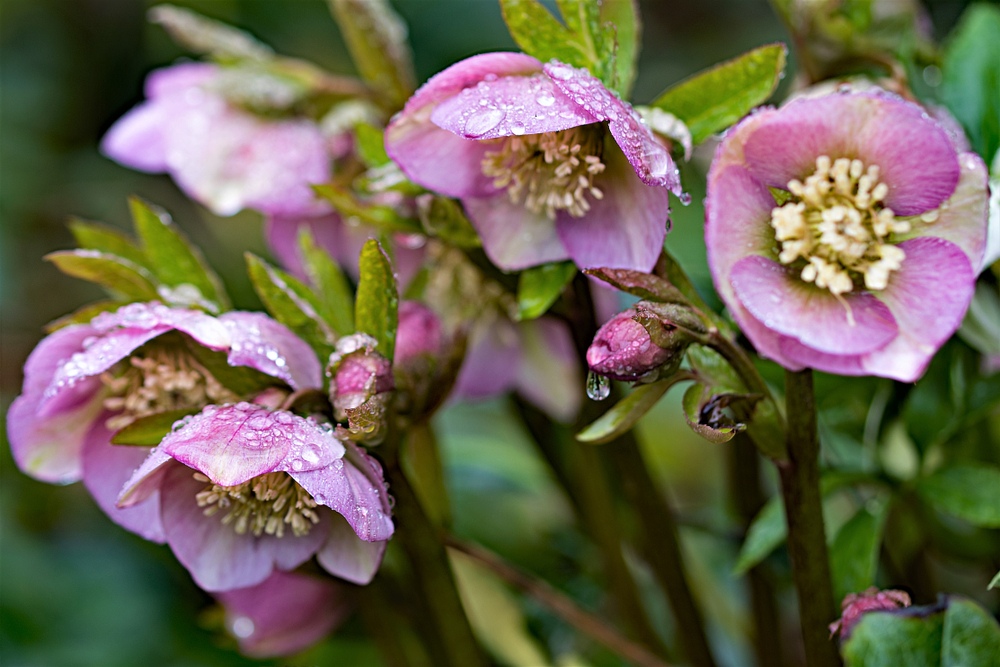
284,614
220,155
623,350
845,231
245,491
85,381
548,163
856,605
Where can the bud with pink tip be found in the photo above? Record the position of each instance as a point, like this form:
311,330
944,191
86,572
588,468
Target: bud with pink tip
357,373
623,350
856,605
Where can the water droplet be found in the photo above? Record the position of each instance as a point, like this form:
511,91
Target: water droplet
685,198
297,465
598,386
243,627
483,121
310,454
517,128
545,99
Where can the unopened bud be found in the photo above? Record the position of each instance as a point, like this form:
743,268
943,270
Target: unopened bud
856,605
357,373
623,349
418,337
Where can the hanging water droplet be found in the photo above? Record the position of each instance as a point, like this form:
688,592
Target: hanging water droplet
685,198
598,386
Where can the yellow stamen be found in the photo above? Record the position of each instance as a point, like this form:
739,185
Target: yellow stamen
262,506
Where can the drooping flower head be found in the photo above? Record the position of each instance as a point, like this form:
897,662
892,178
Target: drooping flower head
548,163
245,491
86,381
844,233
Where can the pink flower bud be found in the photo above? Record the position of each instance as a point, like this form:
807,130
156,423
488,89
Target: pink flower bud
358,373
856,605
623,350
419,335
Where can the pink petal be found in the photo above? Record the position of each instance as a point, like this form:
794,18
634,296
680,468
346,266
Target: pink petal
492,361
623,230
915,155
106,468
218,558
282,236
928,297
550,375
649,158
136,140
177,79
147,478
48,447
777,297
962,219
509,106
232,444
355,489
513,237
795,355
203,328
270,347
350,558
285,613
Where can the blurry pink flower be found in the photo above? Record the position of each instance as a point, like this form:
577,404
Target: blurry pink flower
548,163
856,605
866,261
284,614
87,380
245,491
222,156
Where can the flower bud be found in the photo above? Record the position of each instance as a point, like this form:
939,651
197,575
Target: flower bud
418,337
623,349
856,605
357,373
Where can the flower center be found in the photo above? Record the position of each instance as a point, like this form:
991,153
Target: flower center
552,171
262,505
161,379
836,226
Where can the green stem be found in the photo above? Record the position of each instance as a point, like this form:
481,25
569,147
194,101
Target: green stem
421,541
804,514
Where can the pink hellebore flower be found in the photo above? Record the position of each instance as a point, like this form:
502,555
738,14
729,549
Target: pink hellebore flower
222,156
284,614
856,605
548,163
245,491
864,262
79,388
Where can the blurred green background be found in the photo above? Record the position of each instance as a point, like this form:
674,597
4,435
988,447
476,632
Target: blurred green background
76,590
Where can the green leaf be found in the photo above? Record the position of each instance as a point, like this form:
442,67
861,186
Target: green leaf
241,380
637,283
855,549
148,431
969,491
420,458
970,85
384,217
376,38
625,413
370,143
971,635
206,36
711,101
334,297
171,257
291,303
541,35
622,18
120,277
540,286
377,310
994,582
106,239
766,533
444,218
883,639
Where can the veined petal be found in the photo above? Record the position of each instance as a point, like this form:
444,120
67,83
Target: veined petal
106,468
915,155
285,613
649,158
622,230
779,299
218,557
347,556
270,347
928,297
354,487
510,106
514,237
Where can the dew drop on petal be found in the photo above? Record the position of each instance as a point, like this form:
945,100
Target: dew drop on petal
545,99
483,121
598,386
243,627
517,128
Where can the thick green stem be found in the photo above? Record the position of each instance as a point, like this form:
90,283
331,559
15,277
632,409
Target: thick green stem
804,514
421,541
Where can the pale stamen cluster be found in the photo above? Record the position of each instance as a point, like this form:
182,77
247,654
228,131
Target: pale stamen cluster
837,222
549,172
164,379
262,505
